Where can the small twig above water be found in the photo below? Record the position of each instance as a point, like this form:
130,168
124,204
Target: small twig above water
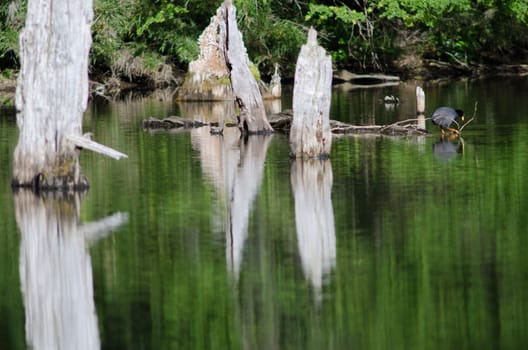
472,118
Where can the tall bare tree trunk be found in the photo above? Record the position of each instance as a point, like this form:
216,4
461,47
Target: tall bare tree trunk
52,93
252,117
310,135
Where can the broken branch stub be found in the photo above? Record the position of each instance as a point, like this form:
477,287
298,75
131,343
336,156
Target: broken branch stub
310,135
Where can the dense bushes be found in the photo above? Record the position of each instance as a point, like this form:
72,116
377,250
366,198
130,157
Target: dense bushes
136,39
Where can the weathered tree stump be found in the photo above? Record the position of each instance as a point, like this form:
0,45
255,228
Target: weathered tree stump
222,72
208,76
252,118
52,94
420,107
310,135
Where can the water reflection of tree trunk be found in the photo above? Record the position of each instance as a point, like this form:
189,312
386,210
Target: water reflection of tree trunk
242,191
235,165
314,217
56,270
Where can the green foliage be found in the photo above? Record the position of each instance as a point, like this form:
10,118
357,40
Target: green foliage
322,14
269,39
519,9
463,29
167,13
359,34
168,28
347,33
12,17
109,30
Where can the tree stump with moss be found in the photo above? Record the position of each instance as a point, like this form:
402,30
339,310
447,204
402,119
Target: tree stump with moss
208,77
223,72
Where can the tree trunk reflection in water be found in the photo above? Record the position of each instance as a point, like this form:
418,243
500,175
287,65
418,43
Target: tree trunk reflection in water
314,218
235,165
56,270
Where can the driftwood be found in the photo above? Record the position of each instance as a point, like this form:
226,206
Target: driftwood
282,122
179,123
344,75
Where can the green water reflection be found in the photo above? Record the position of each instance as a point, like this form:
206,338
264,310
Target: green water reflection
229,245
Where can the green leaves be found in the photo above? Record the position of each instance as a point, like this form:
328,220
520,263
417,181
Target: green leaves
167,12
323,13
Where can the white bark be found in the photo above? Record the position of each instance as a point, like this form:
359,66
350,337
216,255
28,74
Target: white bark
52,93
208,76
420,100
252,117
420,107
310,135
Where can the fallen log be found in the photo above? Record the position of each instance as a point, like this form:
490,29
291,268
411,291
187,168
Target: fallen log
344,75
171,123
281,122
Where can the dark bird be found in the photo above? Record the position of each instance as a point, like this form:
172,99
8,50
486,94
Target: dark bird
445,116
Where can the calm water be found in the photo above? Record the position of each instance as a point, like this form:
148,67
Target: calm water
203,242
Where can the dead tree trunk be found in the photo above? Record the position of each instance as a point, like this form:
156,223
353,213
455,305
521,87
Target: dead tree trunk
222,72
52,94
252,117
420,107
310,135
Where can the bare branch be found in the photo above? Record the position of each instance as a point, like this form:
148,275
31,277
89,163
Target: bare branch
472,118
83,142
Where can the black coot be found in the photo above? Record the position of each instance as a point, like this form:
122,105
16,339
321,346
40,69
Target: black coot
445,116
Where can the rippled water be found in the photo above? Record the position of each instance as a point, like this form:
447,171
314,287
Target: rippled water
200,241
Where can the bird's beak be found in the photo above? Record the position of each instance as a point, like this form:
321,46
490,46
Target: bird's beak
462,117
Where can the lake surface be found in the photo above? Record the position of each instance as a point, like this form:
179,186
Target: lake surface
205,242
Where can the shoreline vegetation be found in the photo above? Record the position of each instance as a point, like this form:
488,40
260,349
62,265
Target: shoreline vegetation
114,88
141,45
